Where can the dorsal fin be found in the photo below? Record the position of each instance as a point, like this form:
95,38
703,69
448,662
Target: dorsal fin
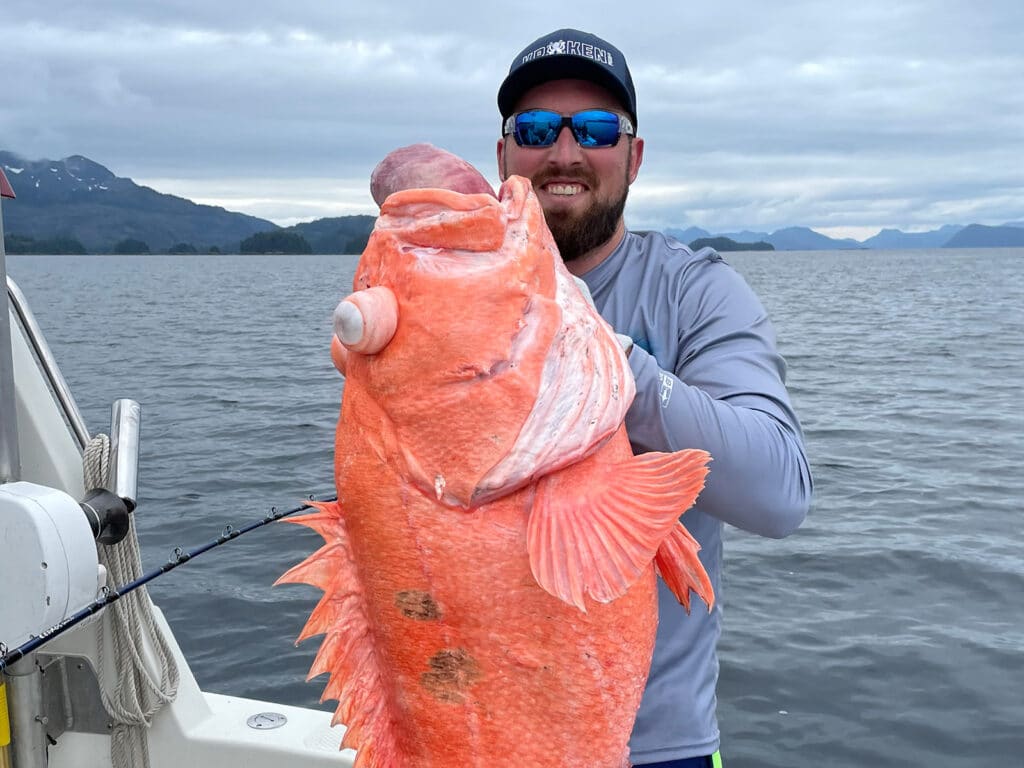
347,652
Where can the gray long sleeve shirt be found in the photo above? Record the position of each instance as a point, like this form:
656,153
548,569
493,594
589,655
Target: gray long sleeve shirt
708,376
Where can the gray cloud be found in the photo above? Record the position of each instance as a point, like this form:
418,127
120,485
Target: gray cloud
756,115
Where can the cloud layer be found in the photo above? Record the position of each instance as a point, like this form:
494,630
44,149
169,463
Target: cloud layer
756,115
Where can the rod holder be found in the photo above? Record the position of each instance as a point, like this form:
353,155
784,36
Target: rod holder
125,417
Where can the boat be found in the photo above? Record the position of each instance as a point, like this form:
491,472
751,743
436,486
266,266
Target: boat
90,673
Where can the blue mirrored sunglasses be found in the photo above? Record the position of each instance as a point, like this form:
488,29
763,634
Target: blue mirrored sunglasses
592,128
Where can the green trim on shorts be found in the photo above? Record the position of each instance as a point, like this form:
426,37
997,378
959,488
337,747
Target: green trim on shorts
716,760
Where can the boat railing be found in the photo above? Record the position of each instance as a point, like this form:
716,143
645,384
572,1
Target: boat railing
48,363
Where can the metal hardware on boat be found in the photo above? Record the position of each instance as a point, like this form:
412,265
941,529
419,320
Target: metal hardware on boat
47,362
125,416
71,696
10,458
266,721
28,745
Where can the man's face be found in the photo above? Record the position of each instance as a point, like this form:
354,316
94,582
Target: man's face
582,191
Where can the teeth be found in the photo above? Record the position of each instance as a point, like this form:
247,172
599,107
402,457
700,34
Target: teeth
564,189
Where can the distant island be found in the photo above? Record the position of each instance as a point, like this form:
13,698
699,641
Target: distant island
77,206
723,244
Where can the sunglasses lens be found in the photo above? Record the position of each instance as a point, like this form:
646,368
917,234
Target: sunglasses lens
591,128
537,128
596,128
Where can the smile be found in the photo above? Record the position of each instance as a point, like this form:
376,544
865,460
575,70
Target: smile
563,189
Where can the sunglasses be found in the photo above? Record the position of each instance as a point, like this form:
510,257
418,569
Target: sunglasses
592,128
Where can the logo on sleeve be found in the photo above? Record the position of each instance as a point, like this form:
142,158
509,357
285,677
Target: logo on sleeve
666,389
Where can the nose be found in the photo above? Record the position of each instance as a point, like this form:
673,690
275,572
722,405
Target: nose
565,150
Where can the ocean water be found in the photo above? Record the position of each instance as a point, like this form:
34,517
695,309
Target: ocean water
887,631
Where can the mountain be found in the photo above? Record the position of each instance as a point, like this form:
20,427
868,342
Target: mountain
746,236
687,235
894,238
697,238
341,234
789,239
980,236
804,239
77,205
79,199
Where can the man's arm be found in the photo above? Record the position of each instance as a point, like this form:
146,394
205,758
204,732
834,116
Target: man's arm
727,396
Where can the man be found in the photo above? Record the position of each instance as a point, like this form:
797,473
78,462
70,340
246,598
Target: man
699,343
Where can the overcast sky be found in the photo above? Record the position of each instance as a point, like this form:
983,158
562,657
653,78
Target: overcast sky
845,116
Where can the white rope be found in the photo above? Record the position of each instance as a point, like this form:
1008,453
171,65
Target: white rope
138,696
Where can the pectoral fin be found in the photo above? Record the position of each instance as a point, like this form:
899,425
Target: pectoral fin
594,528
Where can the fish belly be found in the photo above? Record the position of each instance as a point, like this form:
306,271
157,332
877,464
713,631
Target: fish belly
478,665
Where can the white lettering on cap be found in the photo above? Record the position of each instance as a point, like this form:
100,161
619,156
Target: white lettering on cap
572,48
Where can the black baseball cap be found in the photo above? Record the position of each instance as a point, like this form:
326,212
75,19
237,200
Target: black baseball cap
568,54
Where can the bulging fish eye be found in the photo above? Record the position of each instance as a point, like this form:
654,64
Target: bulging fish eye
365,321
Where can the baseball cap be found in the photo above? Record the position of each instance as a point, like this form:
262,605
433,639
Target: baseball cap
568,54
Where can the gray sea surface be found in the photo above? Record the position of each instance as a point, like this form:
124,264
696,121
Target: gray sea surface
887,631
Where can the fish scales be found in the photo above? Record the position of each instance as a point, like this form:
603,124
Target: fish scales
493,673
489,568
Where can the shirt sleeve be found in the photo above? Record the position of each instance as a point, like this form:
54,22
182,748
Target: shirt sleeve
726,395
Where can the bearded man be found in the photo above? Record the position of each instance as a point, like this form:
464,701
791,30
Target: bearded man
708,374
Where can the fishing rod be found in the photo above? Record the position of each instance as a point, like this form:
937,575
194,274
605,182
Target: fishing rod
178,557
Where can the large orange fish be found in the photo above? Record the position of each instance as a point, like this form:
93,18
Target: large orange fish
489,567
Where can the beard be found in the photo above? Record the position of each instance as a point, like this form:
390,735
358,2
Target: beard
578,233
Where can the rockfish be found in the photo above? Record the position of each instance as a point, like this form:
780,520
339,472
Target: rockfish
490,565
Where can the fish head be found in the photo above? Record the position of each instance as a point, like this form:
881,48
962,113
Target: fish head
467,339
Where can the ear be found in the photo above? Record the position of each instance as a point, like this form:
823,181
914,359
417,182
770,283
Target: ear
501,159
636,158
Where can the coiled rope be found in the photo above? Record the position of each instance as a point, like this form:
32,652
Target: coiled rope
138,695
